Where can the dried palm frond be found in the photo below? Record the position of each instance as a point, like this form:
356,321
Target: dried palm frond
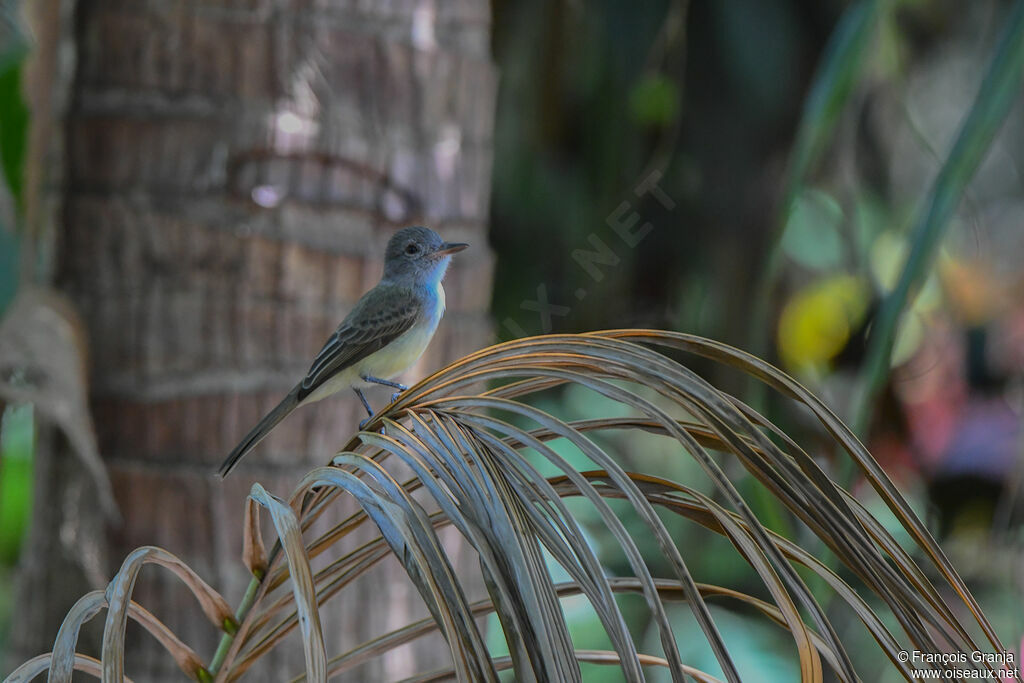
473,440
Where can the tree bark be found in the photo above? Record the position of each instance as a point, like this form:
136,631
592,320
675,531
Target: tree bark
232,171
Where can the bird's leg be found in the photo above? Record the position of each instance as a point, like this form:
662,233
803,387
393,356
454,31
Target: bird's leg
366,404
387,383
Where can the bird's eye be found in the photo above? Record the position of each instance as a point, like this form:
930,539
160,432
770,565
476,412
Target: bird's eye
412,249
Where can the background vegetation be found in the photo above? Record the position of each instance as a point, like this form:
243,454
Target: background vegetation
802,145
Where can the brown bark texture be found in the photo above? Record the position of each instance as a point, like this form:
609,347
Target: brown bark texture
229,173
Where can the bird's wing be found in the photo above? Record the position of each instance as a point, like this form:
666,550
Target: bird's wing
366,330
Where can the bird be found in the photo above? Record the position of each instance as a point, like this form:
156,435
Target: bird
381,337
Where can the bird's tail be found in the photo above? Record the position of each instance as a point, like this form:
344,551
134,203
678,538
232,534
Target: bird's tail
269,421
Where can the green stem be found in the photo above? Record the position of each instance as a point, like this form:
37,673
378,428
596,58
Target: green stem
833,83
240,614
997,94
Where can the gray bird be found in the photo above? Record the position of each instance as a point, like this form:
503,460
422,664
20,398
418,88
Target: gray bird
383,335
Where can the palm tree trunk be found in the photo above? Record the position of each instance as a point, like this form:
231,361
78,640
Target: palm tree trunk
232,171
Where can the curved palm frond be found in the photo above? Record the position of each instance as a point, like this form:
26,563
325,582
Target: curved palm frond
477,455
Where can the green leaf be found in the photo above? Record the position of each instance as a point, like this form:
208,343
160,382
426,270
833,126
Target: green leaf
16,449
654,101
834,81
9,261
13,143
997,94
13,130
812,235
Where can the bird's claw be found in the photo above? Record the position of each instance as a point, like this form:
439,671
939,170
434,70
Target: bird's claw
394,396
363,423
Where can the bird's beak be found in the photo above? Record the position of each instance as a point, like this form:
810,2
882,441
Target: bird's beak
451,248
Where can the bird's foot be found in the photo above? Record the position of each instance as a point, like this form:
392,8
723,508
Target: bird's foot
383,382
394,396
363,423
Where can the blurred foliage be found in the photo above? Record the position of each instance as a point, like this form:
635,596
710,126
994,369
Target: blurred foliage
17,433
9,251
999,90
813,236
13,144
654,101
16,421
13,126
12,141
833,84
802,172
818,322
16,446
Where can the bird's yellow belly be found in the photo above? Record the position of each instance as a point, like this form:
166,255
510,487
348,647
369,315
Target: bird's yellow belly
399,355
393,359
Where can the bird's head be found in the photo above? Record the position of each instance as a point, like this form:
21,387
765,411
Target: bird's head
418,254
